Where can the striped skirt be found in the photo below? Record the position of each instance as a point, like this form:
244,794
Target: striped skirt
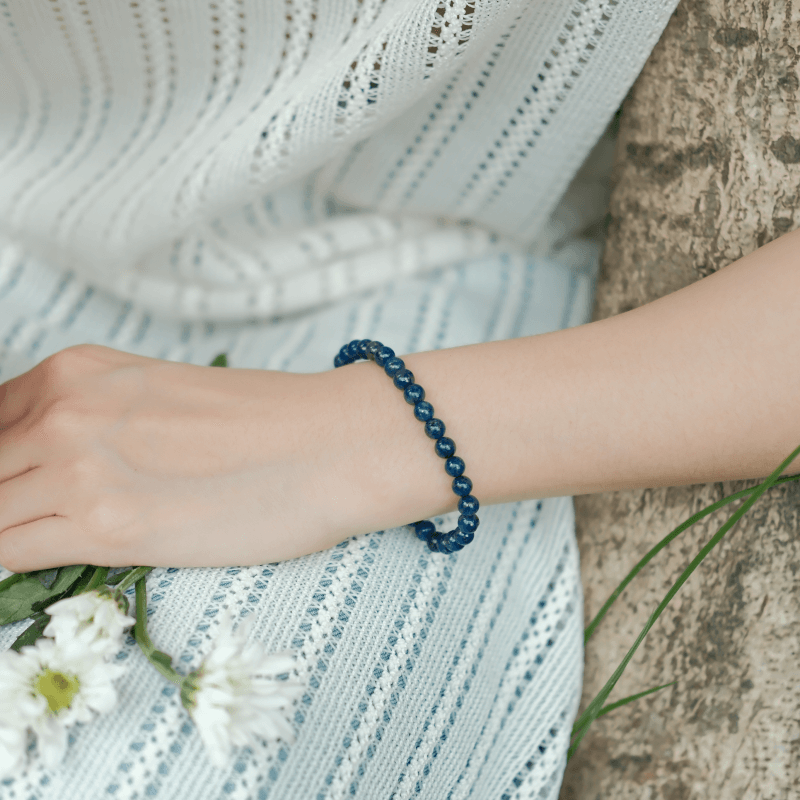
427,675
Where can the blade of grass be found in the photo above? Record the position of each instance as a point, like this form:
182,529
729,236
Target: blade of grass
663,543
625,701
593,709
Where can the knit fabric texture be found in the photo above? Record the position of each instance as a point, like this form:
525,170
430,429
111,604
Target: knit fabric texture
270,179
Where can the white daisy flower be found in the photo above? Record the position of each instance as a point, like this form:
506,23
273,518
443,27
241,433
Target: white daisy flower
234,697
92,619
13,745
50,686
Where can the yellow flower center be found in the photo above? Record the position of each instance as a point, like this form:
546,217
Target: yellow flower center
57,688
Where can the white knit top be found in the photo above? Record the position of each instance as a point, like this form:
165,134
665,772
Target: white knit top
271,178
200,158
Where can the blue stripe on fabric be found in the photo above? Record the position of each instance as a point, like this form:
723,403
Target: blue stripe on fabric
16,273
530,674
446,313
301,346
502,295
316,675
378,667
497,612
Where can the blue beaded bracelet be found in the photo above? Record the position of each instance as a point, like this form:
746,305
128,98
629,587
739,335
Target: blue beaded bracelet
445,447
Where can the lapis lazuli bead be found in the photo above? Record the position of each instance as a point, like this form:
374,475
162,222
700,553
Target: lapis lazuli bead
413,394
455,543
468,524
345,355
434,428
445,447
393,366
464,538
468,505
454,466
383,355
403,379
462,485
424,529
423,411
448,543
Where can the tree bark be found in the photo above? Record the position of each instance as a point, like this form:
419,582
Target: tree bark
706,169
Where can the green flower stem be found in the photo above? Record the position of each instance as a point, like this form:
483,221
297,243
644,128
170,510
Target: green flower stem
131,578
161,661
664,542
592,711
98,578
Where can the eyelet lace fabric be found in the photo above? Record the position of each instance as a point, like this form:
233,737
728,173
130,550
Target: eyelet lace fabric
263,178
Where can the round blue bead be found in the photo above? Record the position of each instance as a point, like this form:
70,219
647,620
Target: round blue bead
423,411
454,466
404,379
362,348
346,357
383,355
433,542
434,428
447,542
373,348
393,366
468,505
462,485
445,447
338,362
468,524
424,529
455,541
352,349
464,538
414,393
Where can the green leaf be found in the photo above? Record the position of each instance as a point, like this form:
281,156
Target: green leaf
24,598
47,577
116,577
220,361
32,632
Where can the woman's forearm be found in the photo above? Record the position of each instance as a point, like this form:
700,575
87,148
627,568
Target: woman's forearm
701,385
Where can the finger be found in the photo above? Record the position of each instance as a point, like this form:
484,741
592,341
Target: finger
27,498
17,458
45,543
15,399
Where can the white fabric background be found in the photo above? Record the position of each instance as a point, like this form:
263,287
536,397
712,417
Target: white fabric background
271,179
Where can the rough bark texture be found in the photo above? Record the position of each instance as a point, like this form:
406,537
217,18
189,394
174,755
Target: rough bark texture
706,170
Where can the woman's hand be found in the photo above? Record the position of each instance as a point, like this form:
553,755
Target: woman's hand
114,459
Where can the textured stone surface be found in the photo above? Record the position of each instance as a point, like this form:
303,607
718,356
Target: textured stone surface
706,170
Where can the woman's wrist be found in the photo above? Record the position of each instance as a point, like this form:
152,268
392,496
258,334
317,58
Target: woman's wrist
387,473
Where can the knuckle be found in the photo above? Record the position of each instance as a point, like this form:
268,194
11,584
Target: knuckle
65,359
59,418
61,366
10,557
